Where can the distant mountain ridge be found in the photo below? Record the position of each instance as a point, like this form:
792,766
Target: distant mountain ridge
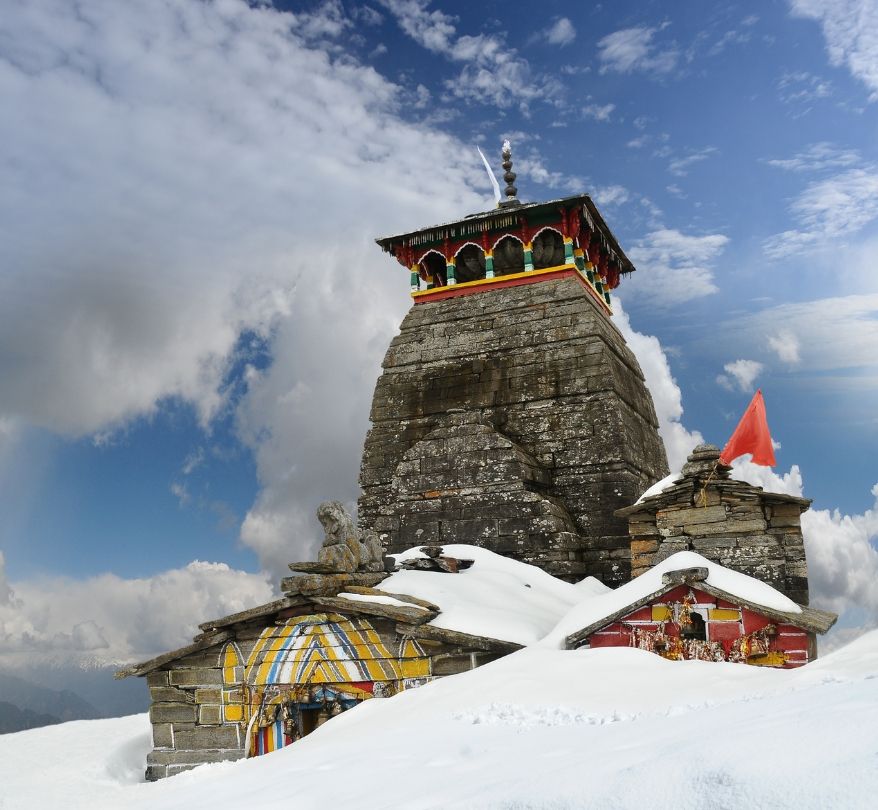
34,705
14,719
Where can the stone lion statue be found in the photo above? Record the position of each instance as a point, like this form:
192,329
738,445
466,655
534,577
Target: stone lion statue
343,549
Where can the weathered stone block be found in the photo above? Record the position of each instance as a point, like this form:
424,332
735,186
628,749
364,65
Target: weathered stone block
209,695
641,547
687,516
170,694
201,676
162,735
158,678
208,737
210,715
172,713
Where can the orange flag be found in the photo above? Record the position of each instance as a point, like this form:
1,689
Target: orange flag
751,436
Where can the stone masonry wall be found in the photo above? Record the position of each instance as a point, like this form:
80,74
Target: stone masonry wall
543,369
187,716
730,522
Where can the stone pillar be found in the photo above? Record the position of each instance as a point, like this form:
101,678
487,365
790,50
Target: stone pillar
528,257
489,264
449,272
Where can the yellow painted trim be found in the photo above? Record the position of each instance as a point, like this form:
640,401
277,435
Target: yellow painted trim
771,659
723,615
661,613
486,281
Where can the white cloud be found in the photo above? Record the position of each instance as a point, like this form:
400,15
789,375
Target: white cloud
632,49
611,195
817,157
6,594
789,483
740,374
828,210
836,335
801,87
680,166
531,164
367,15
107,619
849,28
786,345
561,32
843,561
674,267
666,395
494,73
598,112
184,214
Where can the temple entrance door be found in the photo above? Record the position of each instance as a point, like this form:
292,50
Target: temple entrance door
310,720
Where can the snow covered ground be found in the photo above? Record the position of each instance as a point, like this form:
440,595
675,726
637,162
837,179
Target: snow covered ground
542,728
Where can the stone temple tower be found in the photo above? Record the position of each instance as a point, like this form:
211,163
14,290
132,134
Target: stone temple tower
510,413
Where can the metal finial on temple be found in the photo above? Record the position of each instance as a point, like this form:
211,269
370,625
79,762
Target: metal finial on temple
509,176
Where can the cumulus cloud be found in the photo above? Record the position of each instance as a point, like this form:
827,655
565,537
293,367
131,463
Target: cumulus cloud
676,267
841,550
849,29
786,345
666,395
740,374
843,561
633,49
108,619
147,223
788,483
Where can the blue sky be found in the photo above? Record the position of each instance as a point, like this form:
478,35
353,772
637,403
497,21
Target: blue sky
193,312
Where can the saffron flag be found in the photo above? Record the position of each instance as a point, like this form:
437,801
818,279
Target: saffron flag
751,436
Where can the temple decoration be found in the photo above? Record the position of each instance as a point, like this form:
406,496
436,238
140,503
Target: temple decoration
516,243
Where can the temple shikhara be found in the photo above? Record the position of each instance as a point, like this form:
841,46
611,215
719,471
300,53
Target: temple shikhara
508,494
510,413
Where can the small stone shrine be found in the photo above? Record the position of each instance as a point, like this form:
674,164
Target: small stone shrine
510,413
259,680
730,522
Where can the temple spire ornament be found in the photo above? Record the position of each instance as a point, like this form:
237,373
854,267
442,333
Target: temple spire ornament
509,176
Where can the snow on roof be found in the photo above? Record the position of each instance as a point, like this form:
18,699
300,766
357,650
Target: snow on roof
734,583
496,598
659,486
379,600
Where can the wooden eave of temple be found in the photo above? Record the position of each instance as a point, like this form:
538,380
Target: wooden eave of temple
590,250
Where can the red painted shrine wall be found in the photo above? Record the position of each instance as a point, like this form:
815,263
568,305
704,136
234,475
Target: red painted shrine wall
785,646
